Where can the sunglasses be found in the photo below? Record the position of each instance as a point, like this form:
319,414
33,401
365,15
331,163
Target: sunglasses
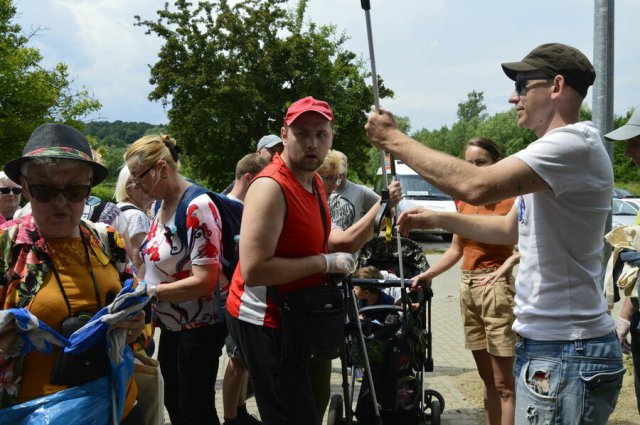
8,190
521,82
138,179
331,179
46,193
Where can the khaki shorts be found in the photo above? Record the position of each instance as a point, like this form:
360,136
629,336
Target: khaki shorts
487,313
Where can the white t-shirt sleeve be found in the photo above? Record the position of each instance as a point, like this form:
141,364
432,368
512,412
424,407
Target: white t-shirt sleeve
204,229
558,158
138,222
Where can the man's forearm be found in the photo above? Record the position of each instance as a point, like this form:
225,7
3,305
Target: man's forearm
495,229
354,238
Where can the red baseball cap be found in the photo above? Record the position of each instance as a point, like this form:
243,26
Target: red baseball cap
307,104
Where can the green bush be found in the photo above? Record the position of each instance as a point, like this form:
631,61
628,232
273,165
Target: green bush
104,192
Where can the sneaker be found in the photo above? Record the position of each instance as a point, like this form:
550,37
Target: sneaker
359,374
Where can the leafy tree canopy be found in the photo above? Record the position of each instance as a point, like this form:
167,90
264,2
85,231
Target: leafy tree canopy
111,139
31,95
228,74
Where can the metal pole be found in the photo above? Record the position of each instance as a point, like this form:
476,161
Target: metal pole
376,99
603,63
374,77
602,94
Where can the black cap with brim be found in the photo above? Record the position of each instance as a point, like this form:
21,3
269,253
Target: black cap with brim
56,141
556,59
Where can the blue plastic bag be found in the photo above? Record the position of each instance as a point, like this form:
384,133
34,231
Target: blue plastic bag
86,404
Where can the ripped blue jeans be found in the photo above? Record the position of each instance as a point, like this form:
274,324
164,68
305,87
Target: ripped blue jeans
567,382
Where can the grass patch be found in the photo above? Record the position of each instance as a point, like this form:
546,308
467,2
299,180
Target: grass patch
632,187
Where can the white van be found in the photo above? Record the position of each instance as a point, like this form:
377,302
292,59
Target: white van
421,193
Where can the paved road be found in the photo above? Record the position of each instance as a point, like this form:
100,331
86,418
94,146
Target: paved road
450,356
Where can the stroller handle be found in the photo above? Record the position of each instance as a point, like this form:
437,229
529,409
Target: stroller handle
389,283
380,308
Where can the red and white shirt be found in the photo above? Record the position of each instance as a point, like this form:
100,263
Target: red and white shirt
167,260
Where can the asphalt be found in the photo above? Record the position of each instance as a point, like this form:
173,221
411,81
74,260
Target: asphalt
449,355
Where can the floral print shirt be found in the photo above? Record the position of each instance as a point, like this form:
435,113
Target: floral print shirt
167,260
24,264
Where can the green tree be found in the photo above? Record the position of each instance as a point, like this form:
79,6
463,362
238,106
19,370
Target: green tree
473,108
31,95
111,139
228,73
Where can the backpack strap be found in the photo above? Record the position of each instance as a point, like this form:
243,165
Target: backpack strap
129,207
189,195
97,212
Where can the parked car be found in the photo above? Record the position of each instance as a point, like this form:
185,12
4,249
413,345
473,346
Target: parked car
417,192
622,214
632,202
622,193
627,196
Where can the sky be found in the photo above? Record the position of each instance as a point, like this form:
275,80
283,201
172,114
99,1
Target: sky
431,53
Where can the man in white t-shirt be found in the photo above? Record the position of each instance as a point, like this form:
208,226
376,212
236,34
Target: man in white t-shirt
568,365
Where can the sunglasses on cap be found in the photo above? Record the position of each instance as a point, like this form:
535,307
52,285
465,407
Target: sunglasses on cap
8,190
521,82
46,193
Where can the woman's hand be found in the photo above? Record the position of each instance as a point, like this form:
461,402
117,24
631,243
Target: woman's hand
134,326
423,279
504,270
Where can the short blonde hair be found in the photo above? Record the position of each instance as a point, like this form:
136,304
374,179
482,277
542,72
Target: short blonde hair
331,165
344,163
124,181
150,149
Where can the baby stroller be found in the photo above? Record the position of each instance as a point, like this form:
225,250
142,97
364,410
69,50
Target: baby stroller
395,354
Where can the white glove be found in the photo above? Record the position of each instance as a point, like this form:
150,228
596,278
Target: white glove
622,328
339,262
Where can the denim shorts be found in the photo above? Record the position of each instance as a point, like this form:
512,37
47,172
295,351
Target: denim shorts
567,382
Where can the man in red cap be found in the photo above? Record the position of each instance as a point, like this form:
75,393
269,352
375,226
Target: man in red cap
568,366
285,242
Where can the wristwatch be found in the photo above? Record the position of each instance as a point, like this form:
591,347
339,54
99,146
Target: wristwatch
152,293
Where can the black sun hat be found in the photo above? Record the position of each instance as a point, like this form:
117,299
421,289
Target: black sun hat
554,59
56,141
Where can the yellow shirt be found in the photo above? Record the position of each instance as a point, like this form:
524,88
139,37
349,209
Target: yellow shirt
49,306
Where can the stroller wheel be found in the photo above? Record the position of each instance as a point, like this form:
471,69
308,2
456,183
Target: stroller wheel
436,410
335,414
434,402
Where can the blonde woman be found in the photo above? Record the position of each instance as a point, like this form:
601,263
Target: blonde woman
182,274
134,204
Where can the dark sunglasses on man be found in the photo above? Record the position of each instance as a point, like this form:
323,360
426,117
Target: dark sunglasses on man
7,190
47,193
521,82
